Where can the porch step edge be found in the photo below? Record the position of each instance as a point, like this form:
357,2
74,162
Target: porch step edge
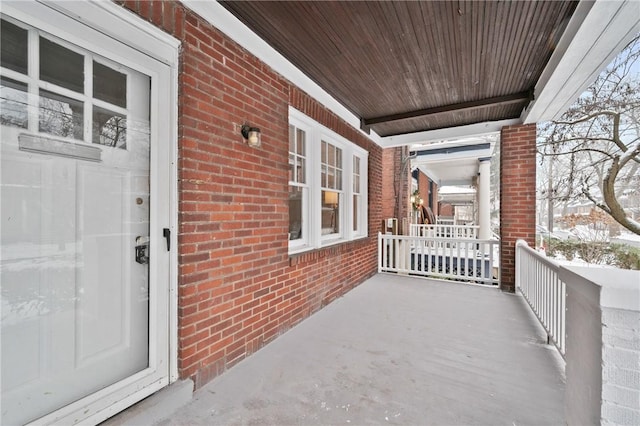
155,407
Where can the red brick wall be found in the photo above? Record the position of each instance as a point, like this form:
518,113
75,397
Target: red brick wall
436,204
388,198
445,209
238,287
403,164
517,196
423,187
395,184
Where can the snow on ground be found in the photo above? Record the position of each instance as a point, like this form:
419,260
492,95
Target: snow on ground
627,238
578,262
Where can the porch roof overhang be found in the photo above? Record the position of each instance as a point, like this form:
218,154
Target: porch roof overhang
457,196
418,72
452,162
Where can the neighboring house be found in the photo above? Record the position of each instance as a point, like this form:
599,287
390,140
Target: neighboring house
144,240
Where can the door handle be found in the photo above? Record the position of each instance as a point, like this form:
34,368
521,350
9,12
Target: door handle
166,233
142,247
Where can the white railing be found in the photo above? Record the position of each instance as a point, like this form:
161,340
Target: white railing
458,259
444,231
537,279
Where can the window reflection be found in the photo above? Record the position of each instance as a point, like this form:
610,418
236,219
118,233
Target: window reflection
331,169
295,212
61,66
110,120
60,115
356,192
13,103
330,212
109,128
109,85
14,47
356,202
298,211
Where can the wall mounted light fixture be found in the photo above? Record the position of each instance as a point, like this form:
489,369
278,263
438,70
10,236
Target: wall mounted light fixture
415,199
251,135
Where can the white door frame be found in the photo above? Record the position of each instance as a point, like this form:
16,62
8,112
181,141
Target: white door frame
103,27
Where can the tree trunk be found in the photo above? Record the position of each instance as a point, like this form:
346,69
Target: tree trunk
609,195
550,196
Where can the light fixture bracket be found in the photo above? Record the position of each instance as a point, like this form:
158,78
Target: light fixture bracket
251,135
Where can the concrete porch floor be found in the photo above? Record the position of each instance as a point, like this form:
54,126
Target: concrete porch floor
395,350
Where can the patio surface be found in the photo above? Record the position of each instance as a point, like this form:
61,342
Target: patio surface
395,350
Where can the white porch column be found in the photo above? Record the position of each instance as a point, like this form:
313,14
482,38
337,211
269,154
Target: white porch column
484,199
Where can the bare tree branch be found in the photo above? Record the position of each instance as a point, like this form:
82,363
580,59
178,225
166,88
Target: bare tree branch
600,134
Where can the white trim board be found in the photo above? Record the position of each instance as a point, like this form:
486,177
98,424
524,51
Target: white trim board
596,33
451,133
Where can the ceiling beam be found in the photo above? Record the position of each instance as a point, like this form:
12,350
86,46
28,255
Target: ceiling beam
520,97
452,149
449,133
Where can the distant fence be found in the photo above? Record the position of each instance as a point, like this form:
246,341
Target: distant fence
444,231
458,259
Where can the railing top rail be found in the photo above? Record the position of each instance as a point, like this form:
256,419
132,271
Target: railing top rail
552,264
442,239
444,225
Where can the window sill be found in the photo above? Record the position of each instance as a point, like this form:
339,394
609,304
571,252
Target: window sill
328,248
299,250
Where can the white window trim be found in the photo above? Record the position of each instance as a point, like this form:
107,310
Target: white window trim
302,244
315,134
363,213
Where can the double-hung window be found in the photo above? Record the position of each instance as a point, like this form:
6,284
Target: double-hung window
359,207
327,186
298,188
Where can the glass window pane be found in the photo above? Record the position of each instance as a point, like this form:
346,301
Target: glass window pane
109,85
331,159
338,179
61,66
61,116
356,165
355,212
301,170
330,212
295,213
301,143
331,183
338,158
292,139
323,152
109,128
323,176
14,54
13,103
292,167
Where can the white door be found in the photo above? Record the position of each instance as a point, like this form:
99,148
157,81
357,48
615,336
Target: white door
76,209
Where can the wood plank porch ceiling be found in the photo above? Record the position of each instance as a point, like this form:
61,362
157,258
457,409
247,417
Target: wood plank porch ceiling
405,67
